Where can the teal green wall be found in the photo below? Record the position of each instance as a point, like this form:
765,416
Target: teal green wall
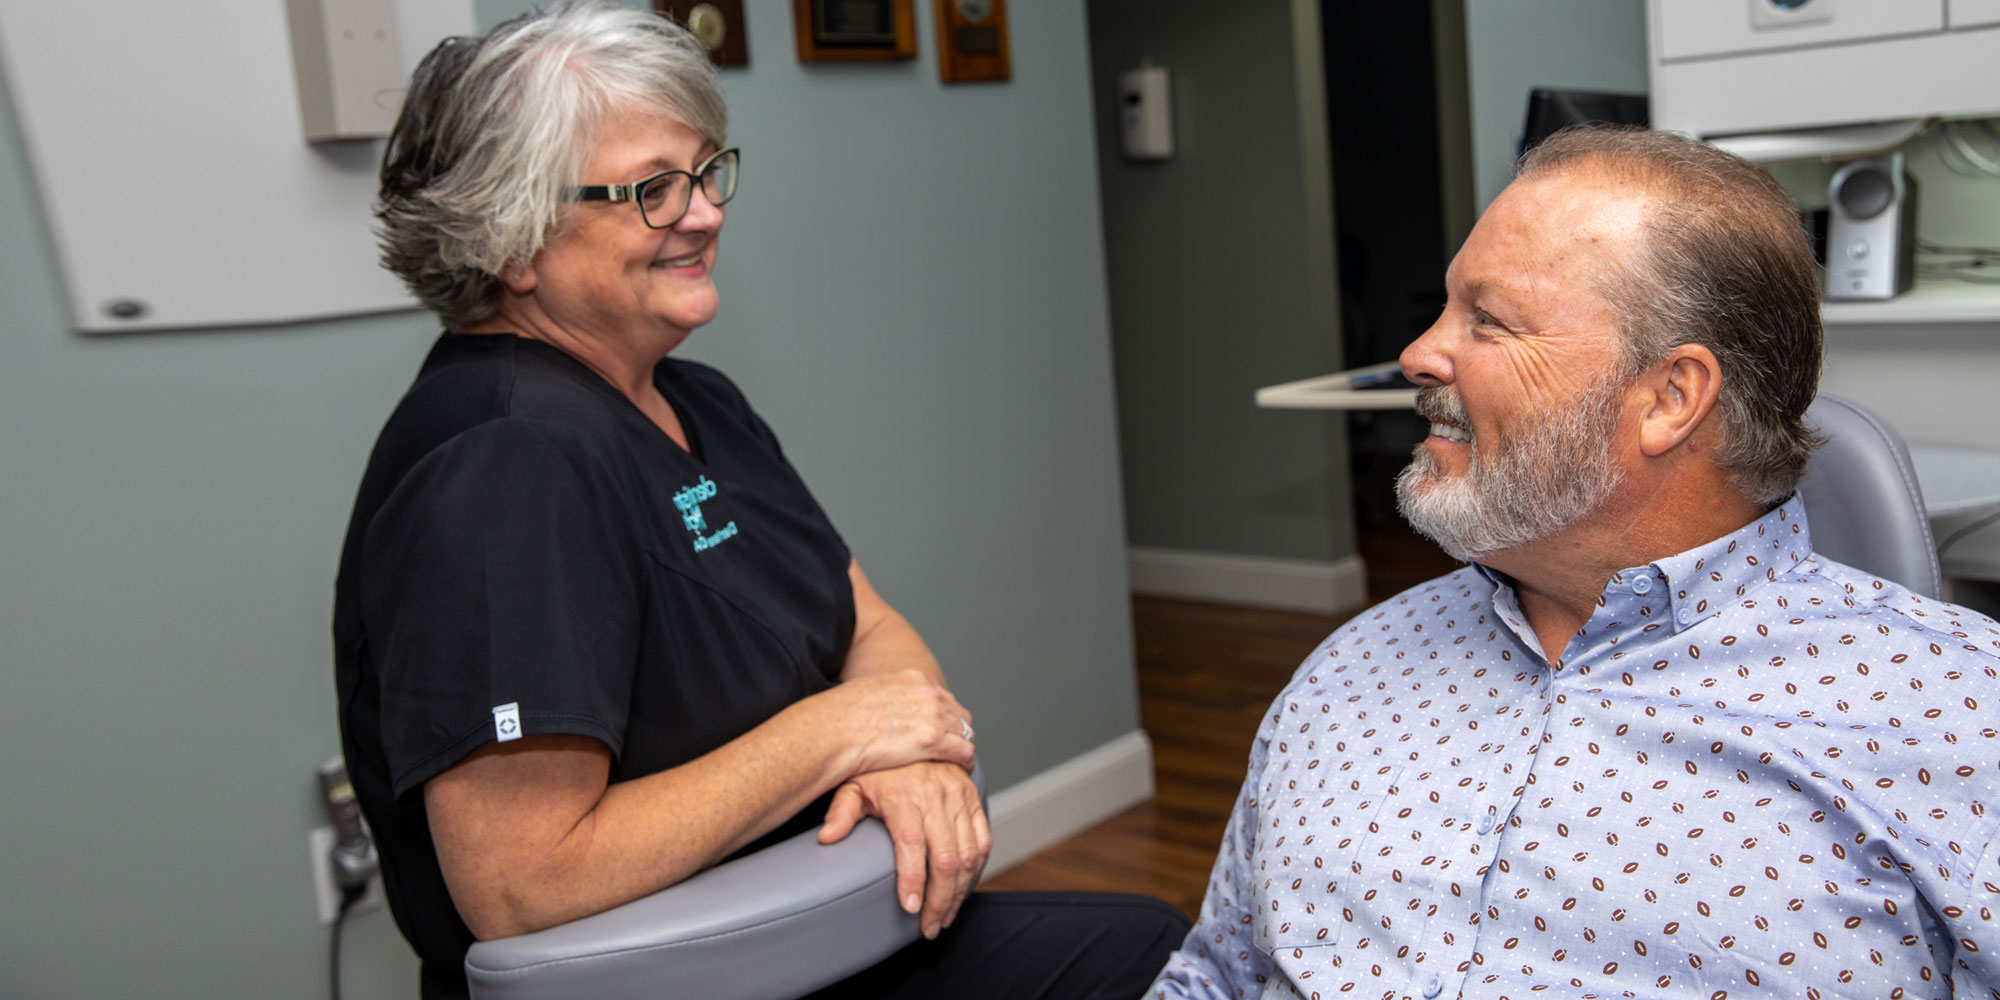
1514,46
914,295
1222,281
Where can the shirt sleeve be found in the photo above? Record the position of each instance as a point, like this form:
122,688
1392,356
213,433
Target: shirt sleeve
1220,958
1971,926
501,597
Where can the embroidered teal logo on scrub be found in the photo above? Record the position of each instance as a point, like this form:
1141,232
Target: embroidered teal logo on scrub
689,501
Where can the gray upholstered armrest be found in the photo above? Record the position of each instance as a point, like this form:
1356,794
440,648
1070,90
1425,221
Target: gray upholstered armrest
778,923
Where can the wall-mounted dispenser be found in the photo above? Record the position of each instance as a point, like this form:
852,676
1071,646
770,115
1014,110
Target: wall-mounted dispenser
1146,114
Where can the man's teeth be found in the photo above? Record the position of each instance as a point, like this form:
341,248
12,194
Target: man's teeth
1450,433
688,261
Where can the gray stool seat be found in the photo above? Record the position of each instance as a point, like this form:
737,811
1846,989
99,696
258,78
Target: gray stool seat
780,923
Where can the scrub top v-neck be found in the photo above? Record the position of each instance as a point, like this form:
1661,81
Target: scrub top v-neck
529,554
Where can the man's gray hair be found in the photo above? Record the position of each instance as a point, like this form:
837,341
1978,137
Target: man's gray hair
495,127
1724,262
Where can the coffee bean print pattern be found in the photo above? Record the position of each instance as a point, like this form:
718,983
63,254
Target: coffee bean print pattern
1754,772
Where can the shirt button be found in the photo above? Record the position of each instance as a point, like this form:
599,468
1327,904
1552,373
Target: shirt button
1642,585
1684,615
1434,987
1485,824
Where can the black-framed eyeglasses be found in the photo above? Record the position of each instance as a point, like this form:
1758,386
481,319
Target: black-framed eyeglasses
663,198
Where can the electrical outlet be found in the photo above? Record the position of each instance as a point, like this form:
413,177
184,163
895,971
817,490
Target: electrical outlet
325,891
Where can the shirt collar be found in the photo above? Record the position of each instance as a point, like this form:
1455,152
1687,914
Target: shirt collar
1704,579
1679,591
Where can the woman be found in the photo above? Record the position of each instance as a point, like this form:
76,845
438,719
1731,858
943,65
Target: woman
593,634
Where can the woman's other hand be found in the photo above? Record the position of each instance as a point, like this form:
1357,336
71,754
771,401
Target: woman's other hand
938,825
892,719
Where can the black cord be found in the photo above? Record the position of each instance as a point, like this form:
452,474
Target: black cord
1955,274
1928,247
1952,538
1971,269
348,897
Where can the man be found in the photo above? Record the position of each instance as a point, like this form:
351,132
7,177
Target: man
1649,744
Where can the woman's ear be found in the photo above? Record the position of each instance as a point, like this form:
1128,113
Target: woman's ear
519,278
1683,388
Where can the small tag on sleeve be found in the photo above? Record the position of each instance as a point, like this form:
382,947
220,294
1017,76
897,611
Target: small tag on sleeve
507,722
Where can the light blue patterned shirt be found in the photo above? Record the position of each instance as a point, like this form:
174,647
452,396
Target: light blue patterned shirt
1754,772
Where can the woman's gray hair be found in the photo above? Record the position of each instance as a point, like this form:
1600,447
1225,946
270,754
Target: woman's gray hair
1724,262
495,127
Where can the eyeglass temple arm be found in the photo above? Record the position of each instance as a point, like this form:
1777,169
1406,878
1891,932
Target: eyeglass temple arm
601,192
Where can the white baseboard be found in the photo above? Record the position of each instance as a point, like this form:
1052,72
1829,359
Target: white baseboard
1068,798
1292,584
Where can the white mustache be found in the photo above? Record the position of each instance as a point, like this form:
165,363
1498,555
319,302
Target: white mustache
1442,404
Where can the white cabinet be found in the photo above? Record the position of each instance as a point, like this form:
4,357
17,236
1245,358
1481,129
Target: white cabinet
1723,67
1972,13
1691,29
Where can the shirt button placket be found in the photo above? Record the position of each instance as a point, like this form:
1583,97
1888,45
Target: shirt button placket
1433,986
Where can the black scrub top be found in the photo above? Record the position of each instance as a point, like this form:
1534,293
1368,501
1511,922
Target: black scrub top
529,554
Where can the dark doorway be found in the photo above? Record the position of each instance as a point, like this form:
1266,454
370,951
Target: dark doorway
1388,185
1390,191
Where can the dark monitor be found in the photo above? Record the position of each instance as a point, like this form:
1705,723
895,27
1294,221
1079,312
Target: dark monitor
1550,110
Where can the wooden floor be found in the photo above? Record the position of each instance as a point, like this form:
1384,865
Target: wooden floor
1207,672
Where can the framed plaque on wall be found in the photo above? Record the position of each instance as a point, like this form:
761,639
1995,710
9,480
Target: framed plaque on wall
849,30
716,24
972,41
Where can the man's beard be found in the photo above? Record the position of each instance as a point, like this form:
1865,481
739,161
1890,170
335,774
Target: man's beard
1543,478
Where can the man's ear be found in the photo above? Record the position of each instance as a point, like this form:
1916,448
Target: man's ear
1683,388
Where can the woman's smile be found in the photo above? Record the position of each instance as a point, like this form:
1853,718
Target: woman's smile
693,261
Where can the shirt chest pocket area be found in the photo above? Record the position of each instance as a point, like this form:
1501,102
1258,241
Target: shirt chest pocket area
1312,851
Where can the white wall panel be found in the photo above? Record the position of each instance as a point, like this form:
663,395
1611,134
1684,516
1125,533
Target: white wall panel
168,150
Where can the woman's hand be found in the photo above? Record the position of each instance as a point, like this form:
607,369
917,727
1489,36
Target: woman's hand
892,719
928,801
938,826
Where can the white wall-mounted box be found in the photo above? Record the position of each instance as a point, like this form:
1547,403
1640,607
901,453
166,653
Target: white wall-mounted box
1145,113
349,67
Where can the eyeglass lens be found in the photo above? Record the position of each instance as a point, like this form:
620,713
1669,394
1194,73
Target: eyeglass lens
664,199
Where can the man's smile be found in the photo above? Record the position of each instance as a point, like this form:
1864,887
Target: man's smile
1451,432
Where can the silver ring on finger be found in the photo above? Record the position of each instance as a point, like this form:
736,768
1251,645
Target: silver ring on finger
965,730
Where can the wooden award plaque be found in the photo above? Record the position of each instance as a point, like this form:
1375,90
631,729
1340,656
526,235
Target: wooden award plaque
972,41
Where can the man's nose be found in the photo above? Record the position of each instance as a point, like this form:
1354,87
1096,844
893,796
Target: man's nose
1425,361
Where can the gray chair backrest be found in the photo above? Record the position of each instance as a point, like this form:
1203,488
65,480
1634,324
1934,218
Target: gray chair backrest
1862,498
